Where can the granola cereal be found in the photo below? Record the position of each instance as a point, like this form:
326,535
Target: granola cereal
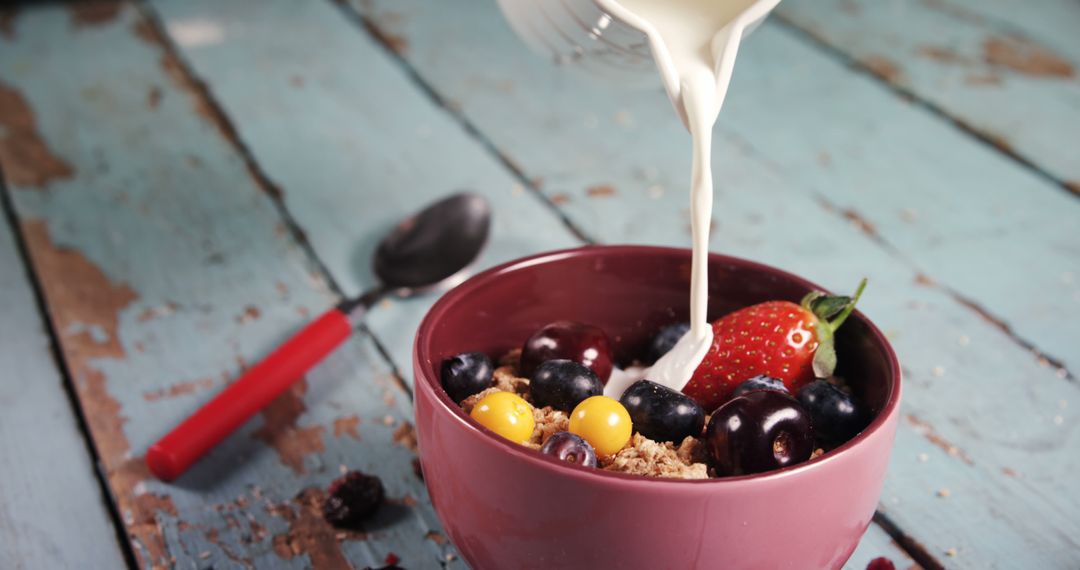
469,403
507,381
641,456
549,421
654,459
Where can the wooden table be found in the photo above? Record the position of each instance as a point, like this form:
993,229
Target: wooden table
186,182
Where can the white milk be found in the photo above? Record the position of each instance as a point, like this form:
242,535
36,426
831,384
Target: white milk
694,43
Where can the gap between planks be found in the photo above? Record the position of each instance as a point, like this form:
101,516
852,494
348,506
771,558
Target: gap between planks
922,279
912,547
386,42
216,114
819,42
110,504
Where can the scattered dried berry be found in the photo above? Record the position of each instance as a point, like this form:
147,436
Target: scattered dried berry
880,563
353,498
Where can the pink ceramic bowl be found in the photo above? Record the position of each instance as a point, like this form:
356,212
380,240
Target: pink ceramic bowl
505,506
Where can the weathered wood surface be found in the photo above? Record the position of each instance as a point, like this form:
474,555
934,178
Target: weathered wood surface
53,512
1009,71
821,185
187,269
166,269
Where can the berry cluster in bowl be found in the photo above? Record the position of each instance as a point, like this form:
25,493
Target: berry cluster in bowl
765,397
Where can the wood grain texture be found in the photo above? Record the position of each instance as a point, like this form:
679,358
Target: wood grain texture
1002,69
1053,24
819,184
53,513
909,178
167,270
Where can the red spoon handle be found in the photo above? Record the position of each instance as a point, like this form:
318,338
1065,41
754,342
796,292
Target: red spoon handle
185,444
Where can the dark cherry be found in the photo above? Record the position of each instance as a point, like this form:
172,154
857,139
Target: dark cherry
466,374
570,448
836,415
563,384
665,340
584,344
759,431
662,414
353,498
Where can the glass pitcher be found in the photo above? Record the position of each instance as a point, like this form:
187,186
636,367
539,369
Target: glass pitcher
607,40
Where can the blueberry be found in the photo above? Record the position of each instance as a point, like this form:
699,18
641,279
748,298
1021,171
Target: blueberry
836,415
563,384
466,374
760,431
570,448
761,382
662,414
666,339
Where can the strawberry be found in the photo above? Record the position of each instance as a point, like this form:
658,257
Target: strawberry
781,339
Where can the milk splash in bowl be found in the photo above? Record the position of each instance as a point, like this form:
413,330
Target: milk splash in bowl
694,43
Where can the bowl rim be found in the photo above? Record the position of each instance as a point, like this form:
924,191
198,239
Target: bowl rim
429,382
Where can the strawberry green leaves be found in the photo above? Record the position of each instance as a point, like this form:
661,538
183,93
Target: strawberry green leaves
831,311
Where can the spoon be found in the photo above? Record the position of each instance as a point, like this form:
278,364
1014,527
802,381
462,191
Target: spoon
427,251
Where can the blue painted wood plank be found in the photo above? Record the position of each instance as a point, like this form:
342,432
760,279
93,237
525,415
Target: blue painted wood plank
1053,24
917,182
167,269
832,222
942,200
53,513
1013,77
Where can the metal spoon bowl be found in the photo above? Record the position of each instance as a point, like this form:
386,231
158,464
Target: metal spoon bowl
435,245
